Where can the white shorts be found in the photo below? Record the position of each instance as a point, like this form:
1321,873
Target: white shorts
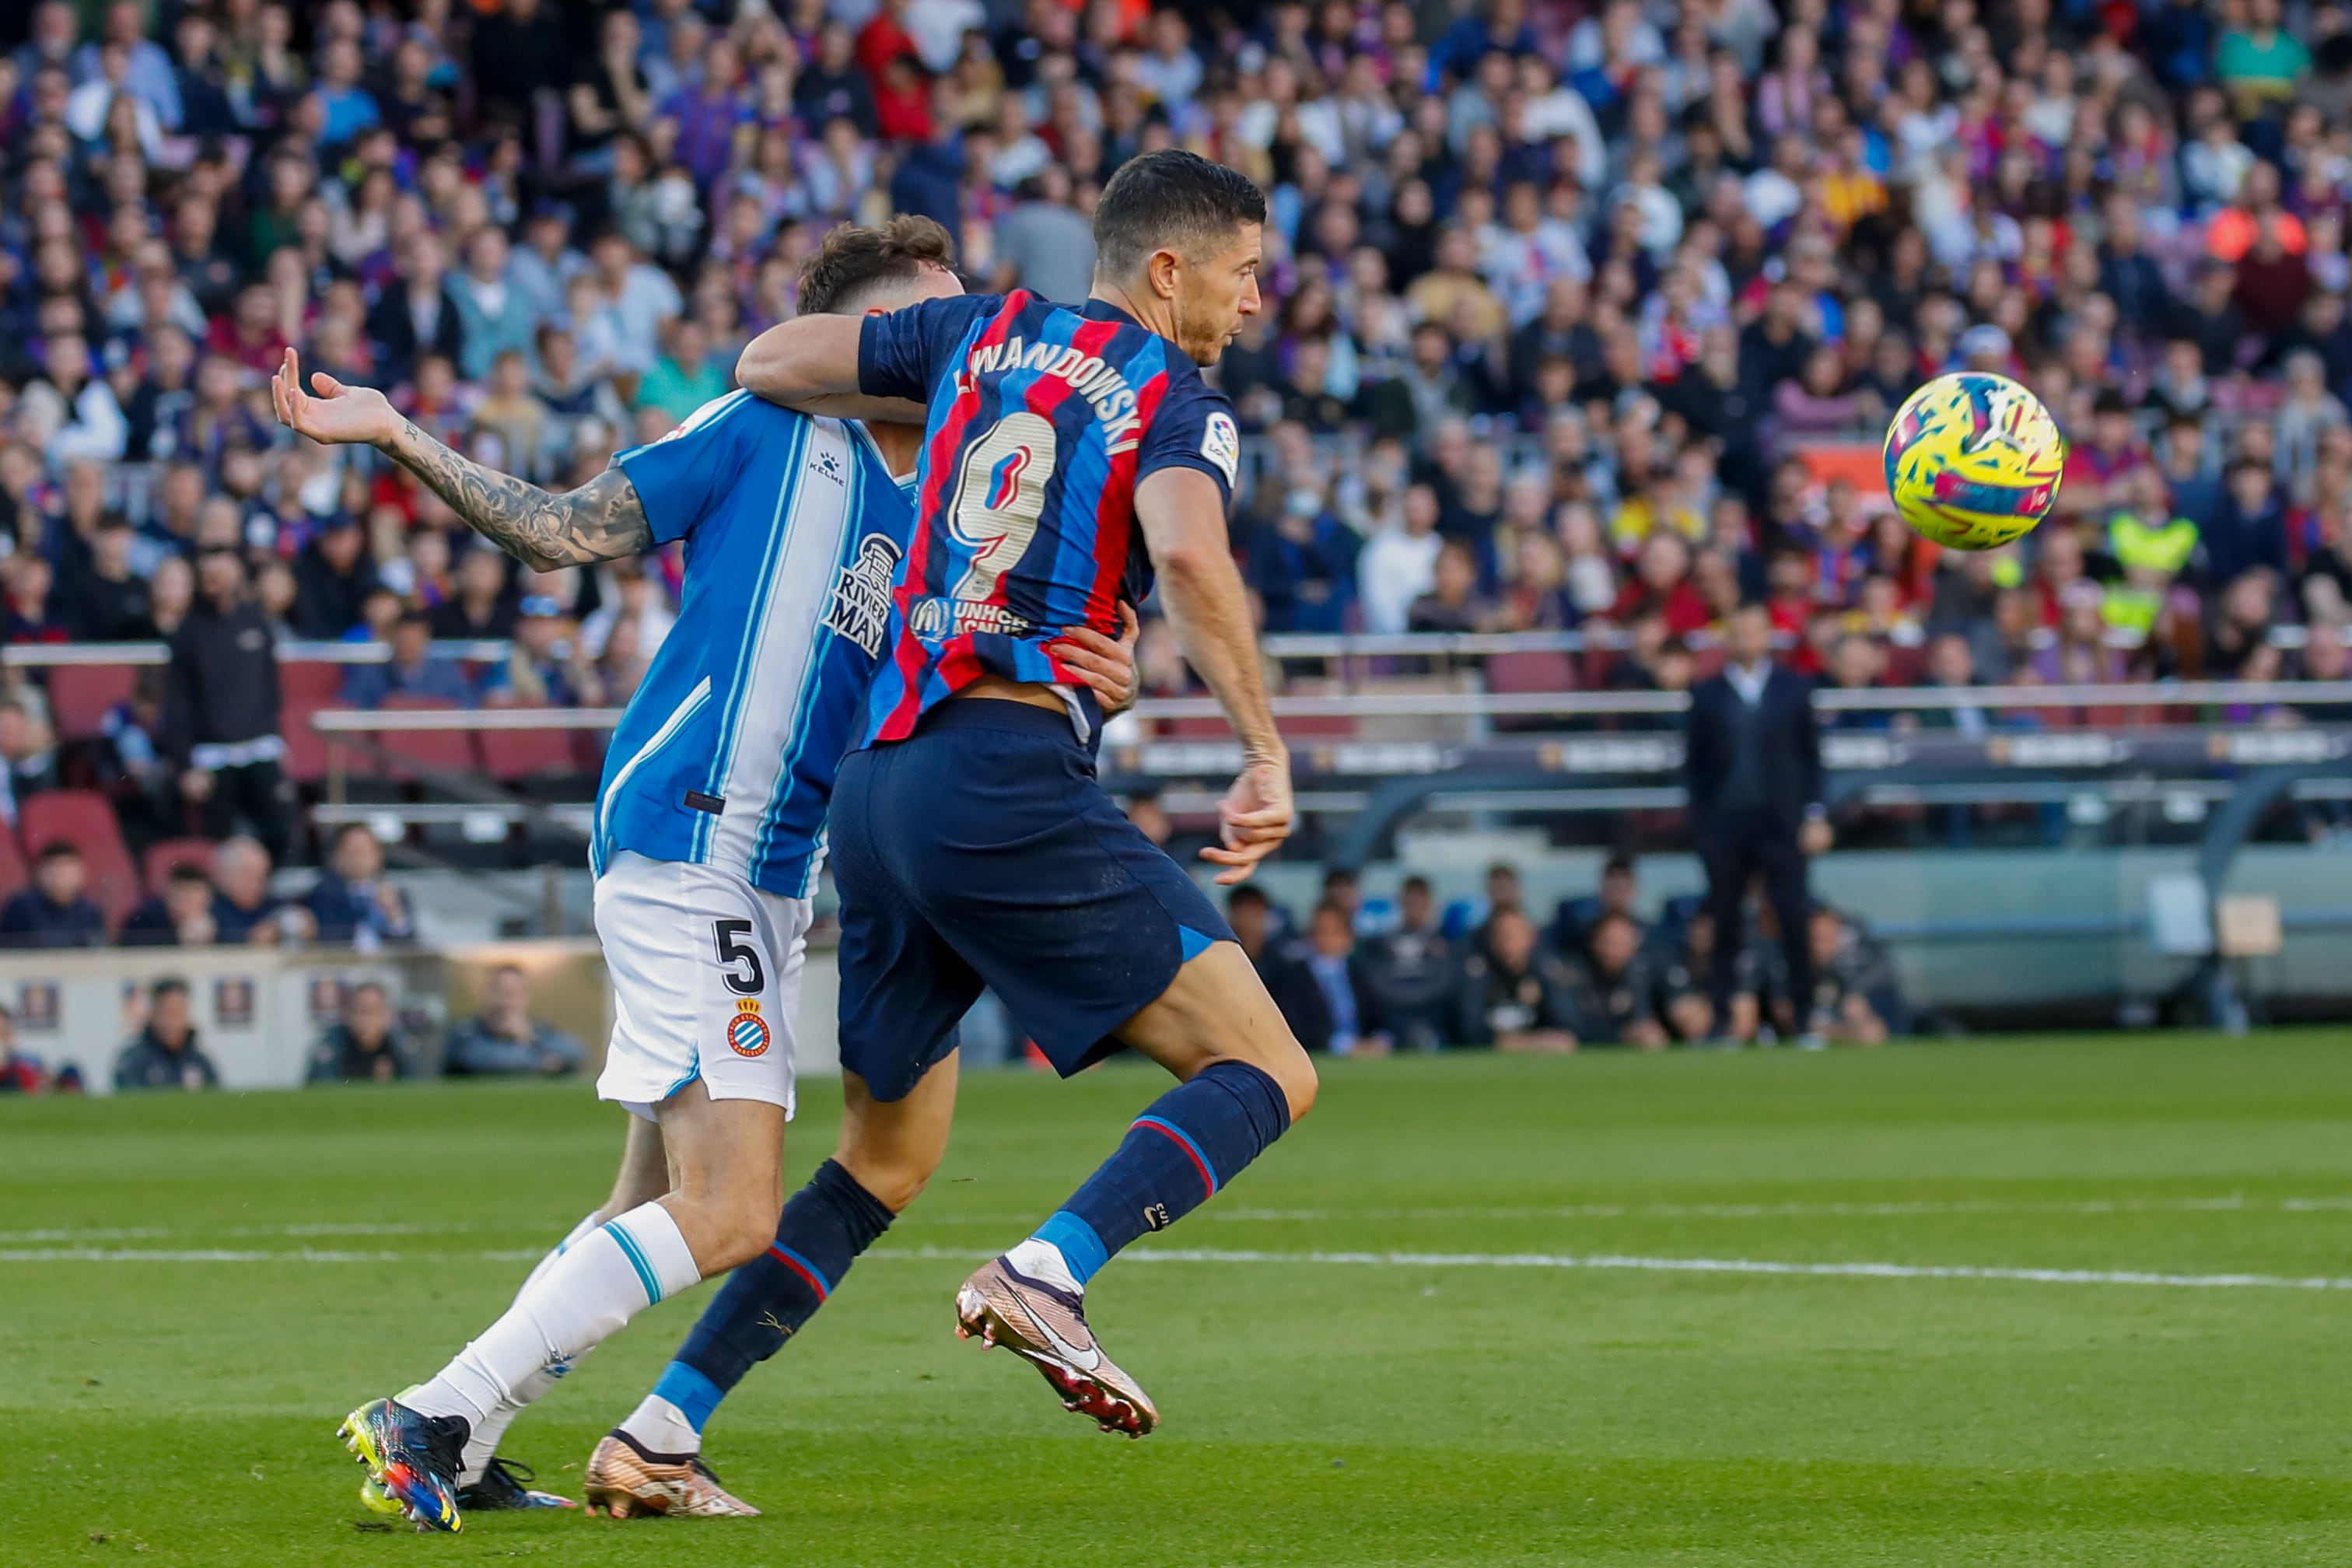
706,973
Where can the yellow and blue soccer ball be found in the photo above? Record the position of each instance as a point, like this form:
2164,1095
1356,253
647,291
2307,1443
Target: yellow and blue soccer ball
1973,460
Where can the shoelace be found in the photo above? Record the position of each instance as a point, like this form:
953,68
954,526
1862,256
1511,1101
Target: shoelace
520,1476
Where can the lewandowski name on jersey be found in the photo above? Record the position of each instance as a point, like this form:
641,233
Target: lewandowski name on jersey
1102,385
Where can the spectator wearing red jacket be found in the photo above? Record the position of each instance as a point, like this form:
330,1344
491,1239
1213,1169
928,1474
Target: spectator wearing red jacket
1661,587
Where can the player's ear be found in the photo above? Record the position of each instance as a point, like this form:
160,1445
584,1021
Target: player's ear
1163,271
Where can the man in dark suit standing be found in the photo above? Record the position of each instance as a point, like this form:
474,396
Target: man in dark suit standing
1753,767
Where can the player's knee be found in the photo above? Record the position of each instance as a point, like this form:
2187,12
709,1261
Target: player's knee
1294,1072
739,1230
894,1182
753,1232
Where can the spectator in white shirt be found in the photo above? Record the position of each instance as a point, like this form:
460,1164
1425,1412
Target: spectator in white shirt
90,423
1775,193
1400,564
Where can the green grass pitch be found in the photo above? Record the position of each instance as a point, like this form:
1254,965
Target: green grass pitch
1584,1403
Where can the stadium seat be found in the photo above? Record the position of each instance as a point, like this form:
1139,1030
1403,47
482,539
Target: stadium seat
155,866
513,756
1545,670
309,682
1541,671
420,751
306,749
588,750
13,875
80,694
1905,666
84,818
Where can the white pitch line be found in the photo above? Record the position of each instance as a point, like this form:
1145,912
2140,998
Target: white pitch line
153,1233
1597,1262
2089,1206
2230,1203
1696,1266
234,1254
188,1255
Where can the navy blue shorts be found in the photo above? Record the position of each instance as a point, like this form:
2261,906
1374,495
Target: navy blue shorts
982,851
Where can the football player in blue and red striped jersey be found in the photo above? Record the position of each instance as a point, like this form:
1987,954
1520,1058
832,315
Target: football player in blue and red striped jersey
1071,455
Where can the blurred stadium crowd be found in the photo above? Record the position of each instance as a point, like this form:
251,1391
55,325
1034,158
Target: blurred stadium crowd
1574,314
1373,976
371,1039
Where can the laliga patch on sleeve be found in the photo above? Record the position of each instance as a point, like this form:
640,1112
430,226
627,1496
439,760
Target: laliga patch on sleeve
1222,444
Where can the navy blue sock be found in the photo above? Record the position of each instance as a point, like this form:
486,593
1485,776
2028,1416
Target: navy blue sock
763,1303
1177,1156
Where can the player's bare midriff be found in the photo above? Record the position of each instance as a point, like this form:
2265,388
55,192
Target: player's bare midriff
1004,689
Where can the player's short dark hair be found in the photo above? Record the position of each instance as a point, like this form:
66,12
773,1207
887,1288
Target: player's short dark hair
1174,199
60,849
854,263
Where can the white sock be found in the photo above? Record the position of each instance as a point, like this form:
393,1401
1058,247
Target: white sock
572,1304
482,1445
1043,1261
661,1428
571,1238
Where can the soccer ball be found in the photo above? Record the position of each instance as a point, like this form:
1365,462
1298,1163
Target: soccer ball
1973,460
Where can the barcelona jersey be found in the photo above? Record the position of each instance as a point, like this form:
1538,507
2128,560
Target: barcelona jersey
1042,421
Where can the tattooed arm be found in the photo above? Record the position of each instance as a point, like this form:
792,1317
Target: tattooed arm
600,521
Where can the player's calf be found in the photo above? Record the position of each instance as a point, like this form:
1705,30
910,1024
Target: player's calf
726,1187
723,1156
1245,1079
763,1303
888,1151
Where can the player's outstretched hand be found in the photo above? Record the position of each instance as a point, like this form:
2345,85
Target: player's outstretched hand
339,415
1107,665
1253,819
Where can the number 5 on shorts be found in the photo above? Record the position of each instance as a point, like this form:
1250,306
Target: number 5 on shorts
733,950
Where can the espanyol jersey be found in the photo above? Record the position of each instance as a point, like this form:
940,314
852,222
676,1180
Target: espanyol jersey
1044,418
727,754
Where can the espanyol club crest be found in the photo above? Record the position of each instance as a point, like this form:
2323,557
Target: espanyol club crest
746,1032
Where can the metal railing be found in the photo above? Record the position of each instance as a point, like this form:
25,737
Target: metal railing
1287,648
332,721
1892,698
1489,704
51,656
